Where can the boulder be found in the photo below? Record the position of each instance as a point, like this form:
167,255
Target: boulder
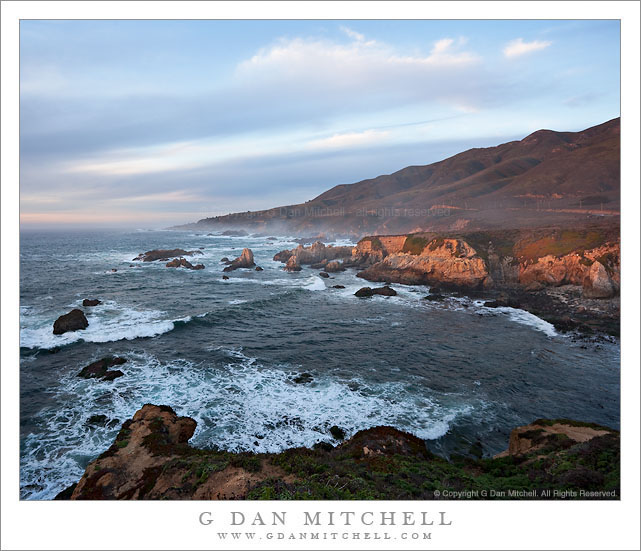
334,266
245,260
182,263
225,277
368,292
100,369
91,302
338,286
259,269
386,291
164,254
364,292
303,378
73,321
225,260
292,265
323,274
597,282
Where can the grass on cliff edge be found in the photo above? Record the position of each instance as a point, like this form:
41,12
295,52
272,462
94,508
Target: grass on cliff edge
526,245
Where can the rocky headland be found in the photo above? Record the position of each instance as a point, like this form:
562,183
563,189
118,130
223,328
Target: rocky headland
570,278
152,459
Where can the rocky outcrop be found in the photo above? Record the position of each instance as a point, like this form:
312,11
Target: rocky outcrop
334,266
544,432
317,253
597,283
385,291
292,265
182,263
164,254
100,369
451,263
245,260
151,459
91,302
235,233
73,321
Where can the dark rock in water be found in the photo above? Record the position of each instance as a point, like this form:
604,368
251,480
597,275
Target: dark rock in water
368,292
434,298
245,260
364,292
91,302
303,378
502,301
324,274
100,369
338,286
182,263
235,233
225,260
164,254
259,269
114,270
225,277
201,248
98,420
73,321
337,432
386,291
325,446
112,374
271,238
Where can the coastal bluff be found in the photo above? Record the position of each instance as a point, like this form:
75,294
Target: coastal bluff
151,459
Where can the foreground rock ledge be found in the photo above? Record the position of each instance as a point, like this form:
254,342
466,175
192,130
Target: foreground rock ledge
151,459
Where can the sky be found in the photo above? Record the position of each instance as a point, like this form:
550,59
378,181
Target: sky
154,123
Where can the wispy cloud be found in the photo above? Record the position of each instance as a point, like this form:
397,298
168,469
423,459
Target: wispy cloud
519,47
349,139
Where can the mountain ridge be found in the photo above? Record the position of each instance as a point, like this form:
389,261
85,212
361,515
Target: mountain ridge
548,178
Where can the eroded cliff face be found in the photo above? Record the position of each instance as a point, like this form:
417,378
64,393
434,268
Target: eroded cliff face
453,262
442,262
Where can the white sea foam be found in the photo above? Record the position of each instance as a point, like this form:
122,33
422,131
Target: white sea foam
238,403
107,322
526,318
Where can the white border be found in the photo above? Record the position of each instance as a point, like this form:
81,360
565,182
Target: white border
487,525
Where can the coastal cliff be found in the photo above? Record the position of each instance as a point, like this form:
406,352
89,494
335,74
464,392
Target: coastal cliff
570,278
151,459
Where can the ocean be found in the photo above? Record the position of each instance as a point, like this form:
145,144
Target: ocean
227,353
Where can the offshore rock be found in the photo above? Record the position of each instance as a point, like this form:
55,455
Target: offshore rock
100,369
164,254
73,321
91,302
245,260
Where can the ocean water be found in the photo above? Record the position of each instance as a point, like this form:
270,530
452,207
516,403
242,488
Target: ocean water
227,352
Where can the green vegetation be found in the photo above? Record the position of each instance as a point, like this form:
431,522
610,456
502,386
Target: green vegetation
375,241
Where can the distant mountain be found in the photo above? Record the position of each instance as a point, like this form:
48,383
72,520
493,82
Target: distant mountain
547,179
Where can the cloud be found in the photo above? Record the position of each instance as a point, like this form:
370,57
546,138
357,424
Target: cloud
359,63
349,139
517,47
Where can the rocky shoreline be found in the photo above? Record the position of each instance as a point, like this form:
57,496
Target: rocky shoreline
151,459
569,278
